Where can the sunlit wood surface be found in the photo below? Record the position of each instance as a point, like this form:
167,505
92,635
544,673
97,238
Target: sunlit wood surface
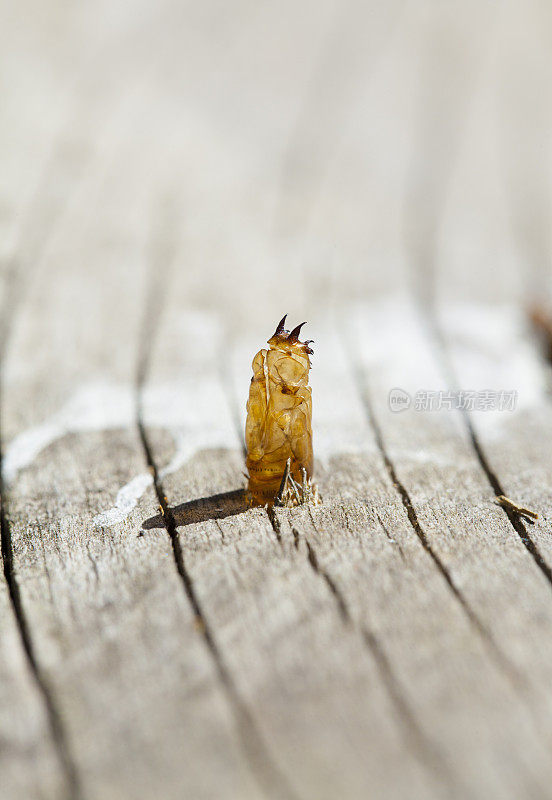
174,177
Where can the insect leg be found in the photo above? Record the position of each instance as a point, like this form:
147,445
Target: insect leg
279,499
295,490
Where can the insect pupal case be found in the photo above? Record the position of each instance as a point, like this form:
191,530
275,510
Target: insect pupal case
279,414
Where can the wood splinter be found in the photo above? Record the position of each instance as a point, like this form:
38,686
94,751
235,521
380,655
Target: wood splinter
508,504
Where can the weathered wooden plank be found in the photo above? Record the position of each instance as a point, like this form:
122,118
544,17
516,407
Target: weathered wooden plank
35,181
453,502
313,646
177,397
491,350
490,250
115,641
30,763
304,685
527,774
53,430
360,540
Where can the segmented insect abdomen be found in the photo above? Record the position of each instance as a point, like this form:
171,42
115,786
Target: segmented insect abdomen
279,414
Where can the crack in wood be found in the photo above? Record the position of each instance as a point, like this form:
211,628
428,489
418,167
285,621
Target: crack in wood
516,522
55,722
414,735
330,583
271,780
19,276
415,738
275,522
414,521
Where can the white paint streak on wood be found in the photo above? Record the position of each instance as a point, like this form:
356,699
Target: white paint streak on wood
127,498
188,409
97,406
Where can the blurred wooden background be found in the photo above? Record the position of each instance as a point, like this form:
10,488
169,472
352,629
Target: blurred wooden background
173,178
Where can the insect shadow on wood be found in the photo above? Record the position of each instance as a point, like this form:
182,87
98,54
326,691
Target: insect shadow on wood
218,506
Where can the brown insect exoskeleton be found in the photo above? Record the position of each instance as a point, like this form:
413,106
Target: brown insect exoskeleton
278,431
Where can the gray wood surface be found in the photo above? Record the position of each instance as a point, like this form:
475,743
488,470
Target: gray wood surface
104,601
173,178
313,714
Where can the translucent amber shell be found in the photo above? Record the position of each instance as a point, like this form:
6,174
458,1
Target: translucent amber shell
279,414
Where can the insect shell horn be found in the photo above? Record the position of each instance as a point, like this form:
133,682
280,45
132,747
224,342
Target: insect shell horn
294,335
280,329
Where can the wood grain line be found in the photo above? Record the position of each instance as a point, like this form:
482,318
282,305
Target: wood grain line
415,738
493,479
406,500
270,778
55,722
17,277
421,747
